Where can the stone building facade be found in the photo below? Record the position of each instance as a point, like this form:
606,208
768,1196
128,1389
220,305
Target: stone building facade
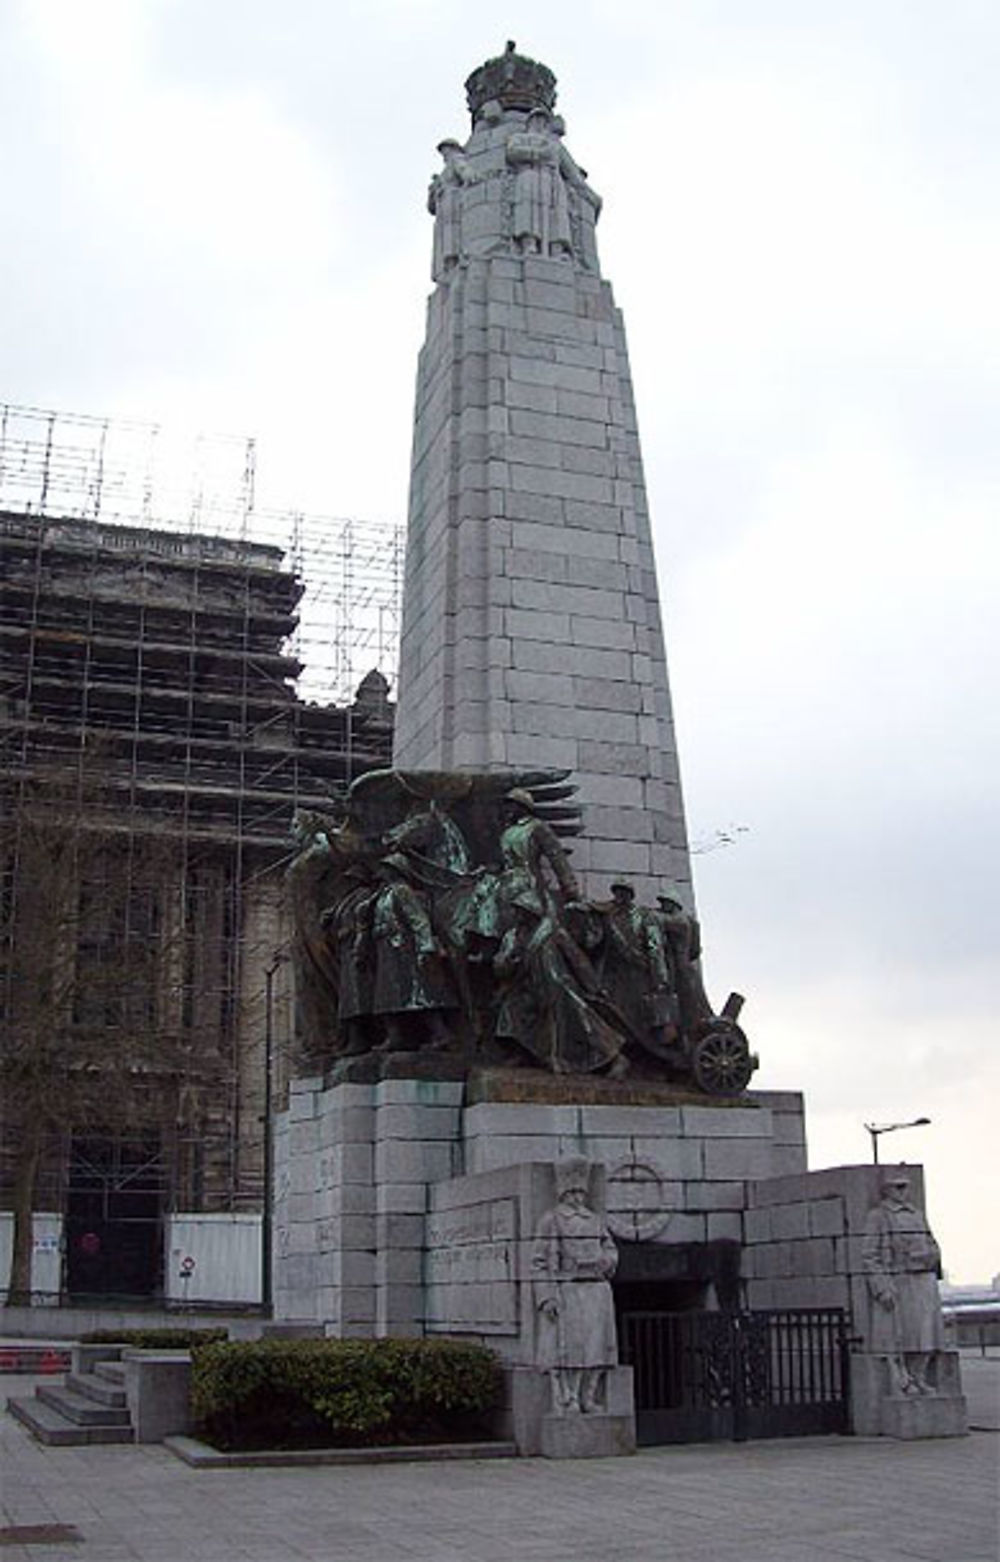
151,734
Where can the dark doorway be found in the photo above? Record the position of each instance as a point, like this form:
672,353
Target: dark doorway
678,1276
667,1296
700,1376
704,1367
114,1226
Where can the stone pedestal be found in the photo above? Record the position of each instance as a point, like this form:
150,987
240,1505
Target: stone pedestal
158,1393
397,1199
537,1430
587,1437
410,1206
353,1164
878,1410
928,1416
597,1435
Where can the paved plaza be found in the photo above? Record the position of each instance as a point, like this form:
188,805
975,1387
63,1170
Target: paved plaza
792,1500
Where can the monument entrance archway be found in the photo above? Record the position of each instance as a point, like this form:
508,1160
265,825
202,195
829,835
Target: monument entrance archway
703,1376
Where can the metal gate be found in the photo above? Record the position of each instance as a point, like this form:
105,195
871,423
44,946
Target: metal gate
706,1375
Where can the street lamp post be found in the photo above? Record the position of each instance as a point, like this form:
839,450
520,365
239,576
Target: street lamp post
875,1129
266,1220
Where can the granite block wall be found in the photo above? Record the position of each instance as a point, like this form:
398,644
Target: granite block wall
363,1173
531,623
803,1237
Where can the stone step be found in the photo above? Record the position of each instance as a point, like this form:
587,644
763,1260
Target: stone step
48,1426
92,1387
75,1407
110,1372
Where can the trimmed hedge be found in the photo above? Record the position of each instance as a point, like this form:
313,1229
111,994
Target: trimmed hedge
332,1393
156,1339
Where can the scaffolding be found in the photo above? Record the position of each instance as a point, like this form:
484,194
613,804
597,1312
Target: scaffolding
140,477
180,671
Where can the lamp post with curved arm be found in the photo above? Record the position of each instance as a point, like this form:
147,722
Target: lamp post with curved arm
875,1129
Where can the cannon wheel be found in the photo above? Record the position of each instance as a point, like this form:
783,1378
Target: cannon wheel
721,1061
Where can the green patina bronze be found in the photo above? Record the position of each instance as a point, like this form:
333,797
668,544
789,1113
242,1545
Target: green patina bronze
438,912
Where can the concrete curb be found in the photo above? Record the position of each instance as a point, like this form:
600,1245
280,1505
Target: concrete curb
202,1457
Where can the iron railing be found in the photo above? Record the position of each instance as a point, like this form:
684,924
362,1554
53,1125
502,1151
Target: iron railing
706,1375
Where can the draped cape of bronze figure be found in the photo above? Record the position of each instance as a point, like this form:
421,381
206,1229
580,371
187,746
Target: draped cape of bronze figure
439,911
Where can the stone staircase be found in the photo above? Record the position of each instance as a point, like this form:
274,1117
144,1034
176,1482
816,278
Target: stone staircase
88,1407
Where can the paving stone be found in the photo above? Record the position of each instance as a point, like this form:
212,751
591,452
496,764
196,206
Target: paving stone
822,1499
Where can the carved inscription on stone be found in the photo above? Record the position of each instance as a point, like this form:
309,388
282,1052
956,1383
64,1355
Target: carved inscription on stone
470,1270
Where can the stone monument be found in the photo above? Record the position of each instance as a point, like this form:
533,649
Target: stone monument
531,624
519,1111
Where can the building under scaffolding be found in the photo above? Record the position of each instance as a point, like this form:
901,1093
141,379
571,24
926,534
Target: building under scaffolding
155,644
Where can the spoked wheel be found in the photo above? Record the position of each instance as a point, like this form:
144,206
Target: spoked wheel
722,1061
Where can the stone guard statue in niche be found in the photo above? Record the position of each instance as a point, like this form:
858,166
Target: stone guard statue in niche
438,912
572,1261
902,1261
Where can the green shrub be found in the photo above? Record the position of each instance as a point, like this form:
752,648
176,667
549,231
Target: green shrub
156,1339
280,1393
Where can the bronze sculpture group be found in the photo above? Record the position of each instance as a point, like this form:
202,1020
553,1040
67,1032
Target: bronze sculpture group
439,912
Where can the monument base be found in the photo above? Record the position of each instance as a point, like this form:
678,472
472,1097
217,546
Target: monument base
407,1203
535,1428
363,1168
587,1437
879,1410
924,1416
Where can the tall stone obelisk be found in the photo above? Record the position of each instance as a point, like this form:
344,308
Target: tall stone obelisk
531,623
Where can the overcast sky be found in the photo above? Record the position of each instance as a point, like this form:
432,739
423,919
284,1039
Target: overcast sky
214,213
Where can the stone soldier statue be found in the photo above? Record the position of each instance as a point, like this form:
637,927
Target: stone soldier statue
573,1259
444,202
902,1262
541,204
584,203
